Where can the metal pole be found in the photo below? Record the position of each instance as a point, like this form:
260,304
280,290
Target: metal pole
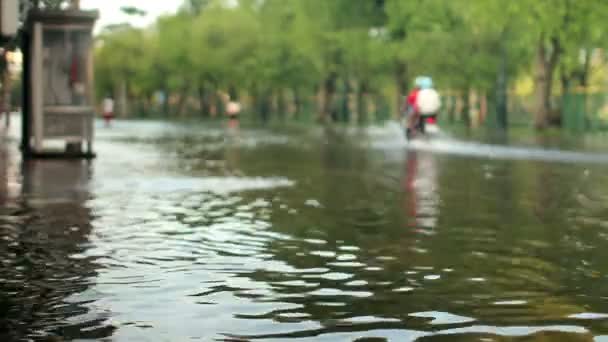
26,110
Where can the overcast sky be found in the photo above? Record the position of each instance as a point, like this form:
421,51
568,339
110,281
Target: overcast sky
110,12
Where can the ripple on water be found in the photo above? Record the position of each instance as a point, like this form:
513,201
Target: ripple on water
589,316
477,279
313,203
335,276
510,302
349,248
315,241
514,331
346,257
346,264
293,316
423,268
370,319
295,283
330,304
357,283
442,318
324,254
177,185
329,292
373,268
315,270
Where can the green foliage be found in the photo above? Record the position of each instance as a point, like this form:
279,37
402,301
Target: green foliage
119,57
265,48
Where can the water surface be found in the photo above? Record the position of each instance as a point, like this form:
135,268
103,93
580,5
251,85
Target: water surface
181,233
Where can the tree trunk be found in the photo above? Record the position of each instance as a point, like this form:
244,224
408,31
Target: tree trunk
233,93
483,108
272,102
319,100
401,83
584,73
297,103
122,100
501,89
329,90
584,82
466,107
474,108
564,80
362,94
181,103
141,107
202,98
452,108
220,102
545,67
543,88
343,112
263,104
165,100
281,104
373,107
354,100
259,100
264,107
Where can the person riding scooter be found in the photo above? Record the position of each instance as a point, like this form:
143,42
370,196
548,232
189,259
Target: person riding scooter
423,105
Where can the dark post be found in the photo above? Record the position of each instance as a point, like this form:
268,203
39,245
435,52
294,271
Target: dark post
25,93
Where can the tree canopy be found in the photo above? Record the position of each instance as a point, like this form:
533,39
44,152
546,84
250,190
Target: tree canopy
345,59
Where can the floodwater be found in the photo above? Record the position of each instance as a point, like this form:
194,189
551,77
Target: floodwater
186,233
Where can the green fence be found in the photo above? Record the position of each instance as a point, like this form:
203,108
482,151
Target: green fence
580,111
584,111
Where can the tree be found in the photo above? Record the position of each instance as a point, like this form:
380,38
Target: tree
557,28
499,28
118,64
339,54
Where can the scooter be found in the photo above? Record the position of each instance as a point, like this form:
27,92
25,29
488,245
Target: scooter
425,125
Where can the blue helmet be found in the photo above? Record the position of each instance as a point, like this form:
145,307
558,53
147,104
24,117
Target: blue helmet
424,82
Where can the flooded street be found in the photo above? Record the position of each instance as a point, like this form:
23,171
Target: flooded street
183,233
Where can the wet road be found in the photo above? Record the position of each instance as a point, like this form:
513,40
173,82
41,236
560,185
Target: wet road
179,233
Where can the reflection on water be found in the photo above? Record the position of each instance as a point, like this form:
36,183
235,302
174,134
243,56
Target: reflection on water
421,191
179,233
44,282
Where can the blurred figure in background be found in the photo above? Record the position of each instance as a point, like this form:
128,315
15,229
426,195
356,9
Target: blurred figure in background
108,110
233,109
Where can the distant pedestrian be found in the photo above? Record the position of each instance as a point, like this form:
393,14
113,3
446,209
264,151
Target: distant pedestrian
108,110
233,109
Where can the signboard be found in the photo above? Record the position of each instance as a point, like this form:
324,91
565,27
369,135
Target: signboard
9,17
